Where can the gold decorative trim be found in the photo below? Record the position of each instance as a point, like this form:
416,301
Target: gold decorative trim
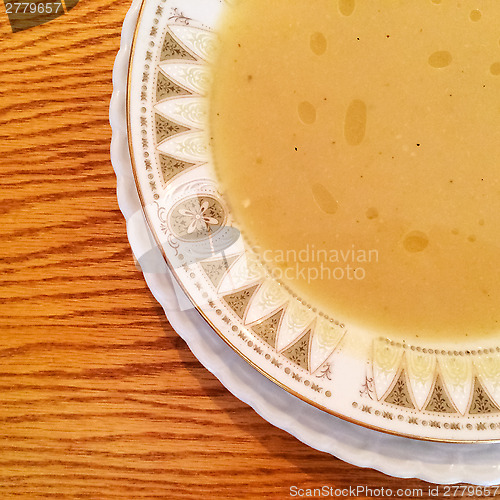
294,359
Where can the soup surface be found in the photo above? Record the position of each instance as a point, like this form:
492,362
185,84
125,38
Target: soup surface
358,145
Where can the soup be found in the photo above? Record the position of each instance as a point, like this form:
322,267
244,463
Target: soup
358,145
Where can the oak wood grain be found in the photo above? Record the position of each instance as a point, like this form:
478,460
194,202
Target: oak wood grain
99,398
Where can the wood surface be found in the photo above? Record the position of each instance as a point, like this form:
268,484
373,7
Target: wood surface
99,398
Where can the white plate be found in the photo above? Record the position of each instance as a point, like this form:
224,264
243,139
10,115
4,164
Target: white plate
397,456
437,389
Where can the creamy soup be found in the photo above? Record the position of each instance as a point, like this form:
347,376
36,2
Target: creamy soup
358,145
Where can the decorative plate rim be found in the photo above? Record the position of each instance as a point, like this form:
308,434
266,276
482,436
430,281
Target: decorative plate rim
376,446
399,372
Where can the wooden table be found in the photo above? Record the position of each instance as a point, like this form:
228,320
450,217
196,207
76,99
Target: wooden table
99,398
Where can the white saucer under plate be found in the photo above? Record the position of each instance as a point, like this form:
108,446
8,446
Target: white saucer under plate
393,455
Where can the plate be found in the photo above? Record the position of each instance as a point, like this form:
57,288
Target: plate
437,390
397,456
